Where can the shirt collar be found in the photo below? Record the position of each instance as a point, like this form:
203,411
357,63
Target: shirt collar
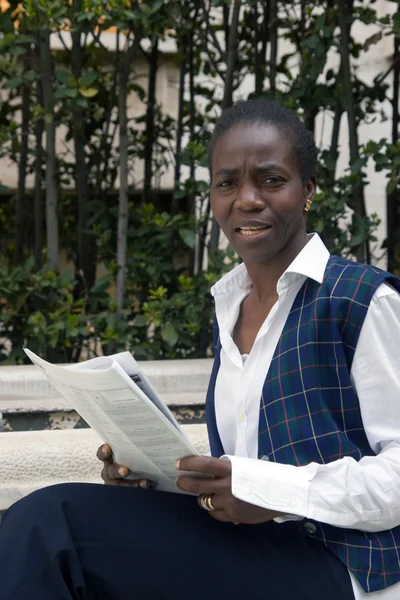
310,262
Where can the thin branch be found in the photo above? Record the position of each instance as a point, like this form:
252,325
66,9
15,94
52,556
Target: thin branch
273,35
60,37
211,31
232,49
380,78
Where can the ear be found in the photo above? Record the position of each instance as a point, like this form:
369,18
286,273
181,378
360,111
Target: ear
310,188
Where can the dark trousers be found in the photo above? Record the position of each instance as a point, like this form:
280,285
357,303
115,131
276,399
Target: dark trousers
94,542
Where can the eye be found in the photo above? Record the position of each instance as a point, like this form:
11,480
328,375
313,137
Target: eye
273,179
226,183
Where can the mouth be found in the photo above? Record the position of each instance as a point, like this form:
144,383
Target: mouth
250,231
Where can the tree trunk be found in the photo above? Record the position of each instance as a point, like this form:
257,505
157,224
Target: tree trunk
334,147
345,14
179,128
23,165
393,199
228,92
309,117
150,122
262,39
231,55
192,130
39,156
86,264
51,157
273,35
123,216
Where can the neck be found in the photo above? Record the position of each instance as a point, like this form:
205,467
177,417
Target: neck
265,276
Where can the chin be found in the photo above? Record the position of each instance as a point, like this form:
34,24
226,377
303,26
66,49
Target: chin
257,257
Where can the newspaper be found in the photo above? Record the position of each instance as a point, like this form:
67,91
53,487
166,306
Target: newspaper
116,399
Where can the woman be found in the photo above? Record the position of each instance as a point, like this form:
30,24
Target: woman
305,499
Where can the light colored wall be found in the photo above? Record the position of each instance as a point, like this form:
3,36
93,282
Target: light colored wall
375,61
167,96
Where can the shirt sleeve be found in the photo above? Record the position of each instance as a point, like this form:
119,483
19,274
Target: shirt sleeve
345,493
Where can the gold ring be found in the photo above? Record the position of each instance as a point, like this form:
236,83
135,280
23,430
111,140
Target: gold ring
202,503
206,502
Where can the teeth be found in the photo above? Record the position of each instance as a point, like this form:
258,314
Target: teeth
251,230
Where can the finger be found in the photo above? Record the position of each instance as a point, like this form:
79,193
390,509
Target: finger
220,515
104,453
201,485
115,471
205,464
123,483
145,484
217,502
105,474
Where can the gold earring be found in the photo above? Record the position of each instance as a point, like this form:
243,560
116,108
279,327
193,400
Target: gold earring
308,204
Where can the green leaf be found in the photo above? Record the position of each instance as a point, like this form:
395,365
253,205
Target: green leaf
101,285
140,321
65,93
26,39
29,263
18,50
88,92
396,23
146,9
14,82
130,15
63,77
157,5
66,277
189,237
373,39
391,186
30,76
179,194
357,240
81,102
169,335
88,78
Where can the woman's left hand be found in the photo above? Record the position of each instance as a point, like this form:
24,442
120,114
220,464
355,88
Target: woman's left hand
219,486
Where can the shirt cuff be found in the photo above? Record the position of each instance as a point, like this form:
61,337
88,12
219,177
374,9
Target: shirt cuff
274,486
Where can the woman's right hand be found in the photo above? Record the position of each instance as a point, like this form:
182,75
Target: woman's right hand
114,474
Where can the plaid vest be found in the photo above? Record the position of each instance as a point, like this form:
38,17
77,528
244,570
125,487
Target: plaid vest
309,411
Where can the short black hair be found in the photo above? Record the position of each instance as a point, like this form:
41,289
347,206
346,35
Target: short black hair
269,112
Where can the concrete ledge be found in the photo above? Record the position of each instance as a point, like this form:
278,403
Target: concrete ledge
34,459
179,383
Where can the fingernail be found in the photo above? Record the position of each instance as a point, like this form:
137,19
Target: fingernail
122,472
106,449
143,484
177,464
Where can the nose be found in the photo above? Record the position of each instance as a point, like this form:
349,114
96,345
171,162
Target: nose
248,198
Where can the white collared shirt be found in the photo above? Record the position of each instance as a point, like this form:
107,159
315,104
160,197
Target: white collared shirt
361,495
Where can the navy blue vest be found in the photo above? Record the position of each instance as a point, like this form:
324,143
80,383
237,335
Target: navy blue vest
309,410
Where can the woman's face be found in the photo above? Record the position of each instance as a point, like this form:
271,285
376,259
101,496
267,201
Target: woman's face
257,195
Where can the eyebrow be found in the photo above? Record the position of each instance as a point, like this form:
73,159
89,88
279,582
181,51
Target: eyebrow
227,172
263,168
267,168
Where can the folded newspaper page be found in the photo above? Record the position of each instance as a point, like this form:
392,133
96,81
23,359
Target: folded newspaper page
116,399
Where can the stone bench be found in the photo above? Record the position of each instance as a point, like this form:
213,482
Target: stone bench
34,459
179,383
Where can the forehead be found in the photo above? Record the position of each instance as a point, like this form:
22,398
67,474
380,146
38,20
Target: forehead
254,143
